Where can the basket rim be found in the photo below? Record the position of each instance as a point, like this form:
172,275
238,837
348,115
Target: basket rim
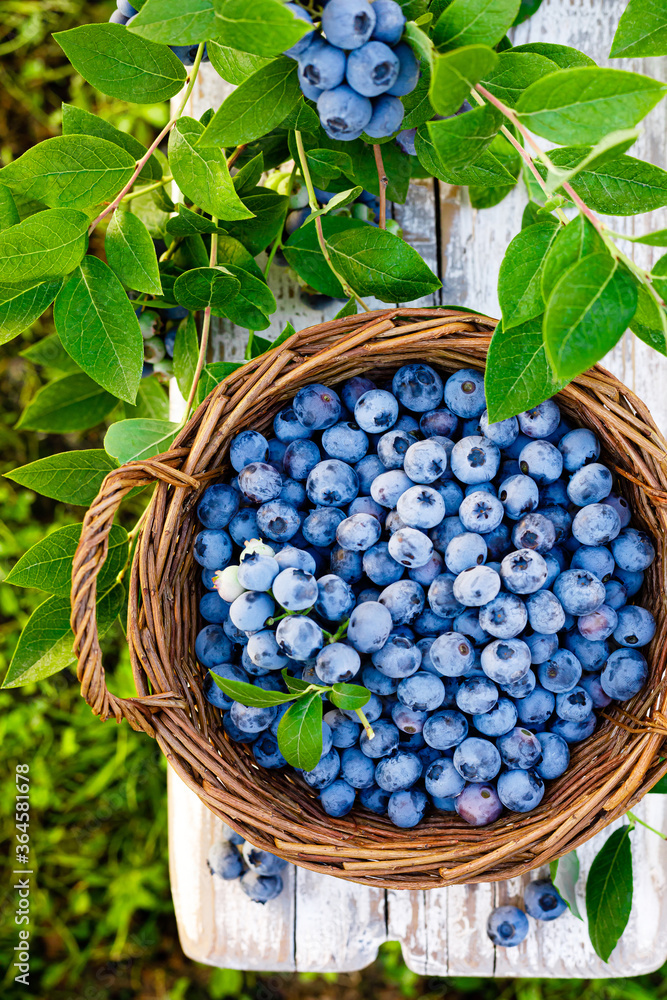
168,704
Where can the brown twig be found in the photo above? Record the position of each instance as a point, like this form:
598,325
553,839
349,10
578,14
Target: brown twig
383,181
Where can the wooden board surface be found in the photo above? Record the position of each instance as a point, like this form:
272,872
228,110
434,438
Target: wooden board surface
324,924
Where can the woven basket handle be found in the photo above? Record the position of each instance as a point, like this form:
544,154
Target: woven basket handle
88,561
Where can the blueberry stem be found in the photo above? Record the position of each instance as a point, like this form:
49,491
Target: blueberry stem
235,155
278,242
383,181
635,819
312,200
149,187
342,629
205,327
365,723
140,164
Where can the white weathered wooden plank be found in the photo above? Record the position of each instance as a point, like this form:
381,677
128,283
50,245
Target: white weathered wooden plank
216,920
339,925
406,922
470,953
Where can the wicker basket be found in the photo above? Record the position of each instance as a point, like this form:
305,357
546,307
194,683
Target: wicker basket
274,810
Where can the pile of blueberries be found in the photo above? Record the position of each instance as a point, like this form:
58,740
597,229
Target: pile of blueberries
508,926
232,857
475,575
356,68
124,13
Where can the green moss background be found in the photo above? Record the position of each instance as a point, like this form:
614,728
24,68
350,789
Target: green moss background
103,922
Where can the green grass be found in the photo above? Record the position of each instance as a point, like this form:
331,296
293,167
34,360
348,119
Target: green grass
102,916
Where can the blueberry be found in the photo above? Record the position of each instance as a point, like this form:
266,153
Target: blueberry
590,484
545,612
417,387
389,21
291,555
337,663
578,447
278,520
596,524
503,433
464,393
376,410
481,512
262,862
399,657
370,626
452,494
407,79
299,638
423,692
498,720
561,672
543,901
322,65
250,719
325,771
236,734
300,458
317,407
346,442
506,660
468,623
599,624
332,483
372,70
579,591
248,447
441,596
377,682
519,495
356,768
621,506
591,684
261,888
212,549
293,493
520,791
477,759
225,860
389,487
574,732
624,674
597,559
523,571
438,423
335,598
541,421
367,470
348,24
536,707
263,651
213,609
374,799
398,770
498,542
337,798
243,526
426,574
465,551
410,721
295,590
631,580
442,779
542,461
213,692
445,729
300,47
410,547
383,742
421,507
476,586
475,459
555,756
574,705
507,926
633,551
380,567
287,427
319,527
359,532
452,654
344,115
117,17
635,626
534,531
260,482
478,804
542,646
406,807
217,506
354,388
388,113
404,601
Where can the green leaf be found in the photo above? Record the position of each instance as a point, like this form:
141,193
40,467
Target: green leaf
202,174
417,104
231,64
339,200
48,564
376,262
206,286
302,117
248,177
564,56
256,346
300,732
45,644
72,476
577,105
256,106
131,253
188,223
515,72
656,239
609,892
474,22
659,273
21,305
621,186
77,121
349,309
72,403
213,374
265,27
269,210
526,10
175,22
649,322
186,354
660,787
132,440
68,171
9,215
326,164
641,31
253,304
454,74
609,148
121,64
572,242
349,696
96,322
294,684
487,171
519,281
588,312
486,196
50,352
47,245
461,140
248,694
304,255
152,401
565,879
518,375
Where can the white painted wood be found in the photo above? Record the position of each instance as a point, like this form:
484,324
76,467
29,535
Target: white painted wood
324,924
